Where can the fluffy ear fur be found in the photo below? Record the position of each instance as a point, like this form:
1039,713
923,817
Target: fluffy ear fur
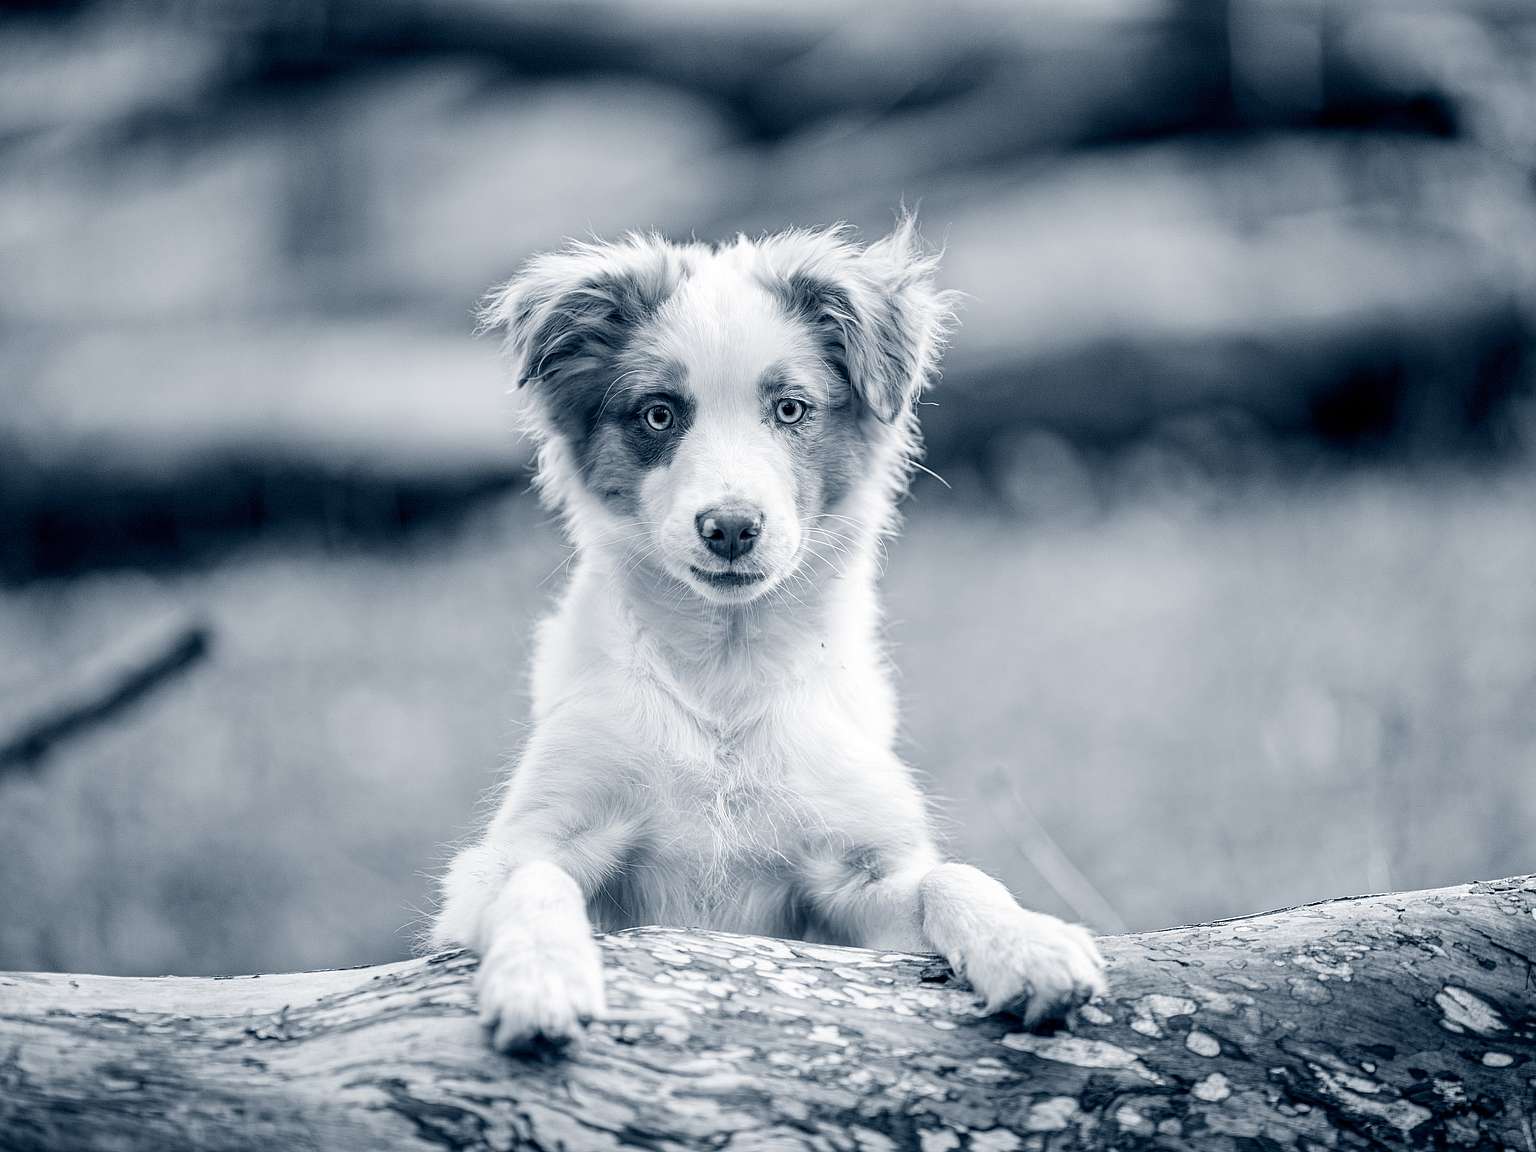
882,321
568,314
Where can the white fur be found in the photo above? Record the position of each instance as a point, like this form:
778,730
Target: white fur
723,759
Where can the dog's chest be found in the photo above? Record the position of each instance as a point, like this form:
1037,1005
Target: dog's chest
725,839
729,778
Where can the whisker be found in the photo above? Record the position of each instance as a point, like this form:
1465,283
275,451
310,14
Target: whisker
921,467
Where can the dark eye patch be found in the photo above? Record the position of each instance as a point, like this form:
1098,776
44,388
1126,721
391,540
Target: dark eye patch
620,447
652,446
829,442
578,335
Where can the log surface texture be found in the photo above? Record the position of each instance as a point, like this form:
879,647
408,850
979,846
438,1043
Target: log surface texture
1405,1020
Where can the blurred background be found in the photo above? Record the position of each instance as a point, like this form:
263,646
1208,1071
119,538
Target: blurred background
1227,599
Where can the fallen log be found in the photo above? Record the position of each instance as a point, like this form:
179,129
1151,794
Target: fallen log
1396,1020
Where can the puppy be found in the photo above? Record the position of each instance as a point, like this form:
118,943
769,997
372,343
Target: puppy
724,432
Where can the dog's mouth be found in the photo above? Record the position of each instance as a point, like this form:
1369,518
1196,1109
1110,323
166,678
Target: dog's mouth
728,579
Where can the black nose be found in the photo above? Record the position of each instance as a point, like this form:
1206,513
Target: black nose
729,532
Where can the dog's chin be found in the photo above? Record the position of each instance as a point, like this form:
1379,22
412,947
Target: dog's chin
728,586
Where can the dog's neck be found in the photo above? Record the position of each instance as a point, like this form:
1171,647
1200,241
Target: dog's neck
732,660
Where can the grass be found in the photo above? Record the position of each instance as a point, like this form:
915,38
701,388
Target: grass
1300,694
1209,705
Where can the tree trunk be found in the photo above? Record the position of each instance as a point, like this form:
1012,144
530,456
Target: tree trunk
1404,1019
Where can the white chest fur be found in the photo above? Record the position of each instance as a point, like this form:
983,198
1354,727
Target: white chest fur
736,762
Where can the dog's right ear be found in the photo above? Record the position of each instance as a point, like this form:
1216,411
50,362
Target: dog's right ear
568,314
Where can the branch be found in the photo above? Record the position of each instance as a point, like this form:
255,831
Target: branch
1405,1019
99,687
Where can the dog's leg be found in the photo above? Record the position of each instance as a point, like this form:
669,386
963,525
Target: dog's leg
1029,962
540,976
1040,966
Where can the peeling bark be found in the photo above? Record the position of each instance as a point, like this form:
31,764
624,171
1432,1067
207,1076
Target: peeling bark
1398,1020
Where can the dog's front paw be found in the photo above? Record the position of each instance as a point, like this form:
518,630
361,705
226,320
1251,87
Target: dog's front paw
1039,966
533,993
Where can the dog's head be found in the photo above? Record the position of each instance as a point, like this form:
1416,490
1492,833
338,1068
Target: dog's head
721,414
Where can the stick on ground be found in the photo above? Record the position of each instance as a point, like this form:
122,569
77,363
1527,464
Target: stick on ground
99,687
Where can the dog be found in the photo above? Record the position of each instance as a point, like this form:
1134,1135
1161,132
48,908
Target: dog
724,433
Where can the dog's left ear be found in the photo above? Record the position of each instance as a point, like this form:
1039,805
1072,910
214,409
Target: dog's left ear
882,321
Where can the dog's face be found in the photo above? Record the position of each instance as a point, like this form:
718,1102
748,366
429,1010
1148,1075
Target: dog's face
724,436
724,415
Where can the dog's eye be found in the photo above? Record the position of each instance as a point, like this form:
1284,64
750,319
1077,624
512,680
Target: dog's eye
658,417
789,410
